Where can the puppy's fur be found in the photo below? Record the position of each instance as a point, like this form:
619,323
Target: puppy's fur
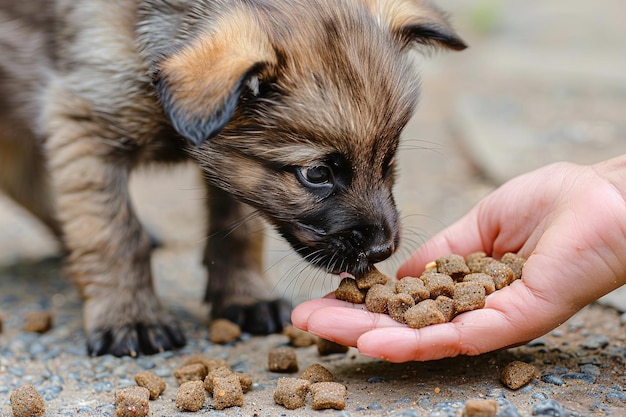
291,108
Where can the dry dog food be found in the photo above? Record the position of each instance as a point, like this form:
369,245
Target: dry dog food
299,338
317,373
224,331
328,347
208,363
291,392
190,396
26,402
329,395
132,401
191,372
227,392
480,408
517,374
37,322
448,286
283,359
152,382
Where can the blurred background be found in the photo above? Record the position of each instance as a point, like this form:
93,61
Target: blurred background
541,82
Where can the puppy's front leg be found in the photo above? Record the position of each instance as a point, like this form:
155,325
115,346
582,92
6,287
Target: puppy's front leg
109,252
237,288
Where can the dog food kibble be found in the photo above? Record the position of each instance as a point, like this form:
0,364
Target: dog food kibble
221,371
483,279
317,373
329,395
446,306
377,298
372,278
227,392
452,265
480,408
517,374
468,296
424,314
209,363
190,396
515,262
191,372
438,284
152,382
501,273
26,402
348,291
327,347
291,392
223,331
283,359
448,286
415,287
299,338
132,401
398,304
37,322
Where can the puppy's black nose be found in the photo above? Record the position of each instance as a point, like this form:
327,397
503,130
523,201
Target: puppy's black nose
379,253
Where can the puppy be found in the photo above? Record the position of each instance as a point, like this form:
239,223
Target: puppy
292,109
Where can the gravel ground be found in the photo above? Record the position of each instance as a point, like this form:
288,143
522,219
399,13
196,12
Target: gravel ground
559,65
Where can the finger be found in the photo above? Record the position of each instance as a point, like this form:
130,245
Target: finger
346,325
300,315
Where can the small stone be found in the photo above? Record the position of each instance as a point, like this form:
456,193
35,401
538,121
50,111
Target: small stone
283,359
37,322
517,374
227,392
192,372
317,373
480,408
328,347
132,402
224,331
152,382
190,396
329,395
26,402
299,338
291,392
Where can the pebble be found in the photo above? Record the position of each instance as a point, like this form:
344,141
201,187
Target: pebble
596,342
550,407
552,378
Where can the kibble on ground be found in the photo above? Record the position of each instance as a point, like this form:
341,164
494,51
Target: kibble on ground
227,392
282,359
27,402
209,363
317,373
190,396
191,372
132,401
222,331
299,338
480,408
291,392
221,371
329,395
37,322
517,374
327,347
152,382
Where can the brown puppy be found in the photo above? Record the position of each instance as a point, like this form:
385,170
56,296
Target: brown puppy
291,108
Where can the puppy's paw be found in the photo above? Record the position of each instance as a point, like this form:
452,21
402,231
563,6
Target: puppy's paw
123,328
262,317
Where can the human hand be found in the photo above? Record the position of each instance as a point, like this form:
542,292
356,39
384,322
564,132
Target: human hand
569,221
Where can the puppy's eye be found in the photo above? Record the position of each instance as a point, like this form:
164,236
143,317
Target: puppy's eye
316,176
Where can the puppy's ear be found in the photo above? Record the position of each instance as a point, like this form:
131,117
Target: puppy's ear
200,85
417,21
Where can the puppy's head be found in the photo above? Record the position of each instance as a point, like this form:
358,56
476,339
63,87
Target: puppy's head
296,108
